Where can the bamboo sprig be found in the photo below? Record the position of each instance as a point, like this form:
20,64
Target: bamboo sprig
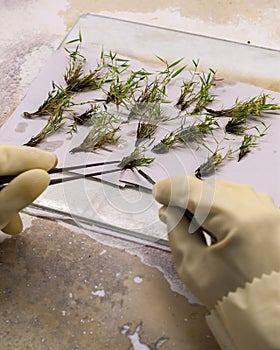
122,90
169,72
77,81
81,119
241,112
152,116
187,96
204,97
180,136
55,105
59,96
118,89
187,90
145,130
194,133
237,125
55,122
135,159
57,99
155,91
195,93
115,64
215,160
75,78
103,133
212,164
151,93
250,141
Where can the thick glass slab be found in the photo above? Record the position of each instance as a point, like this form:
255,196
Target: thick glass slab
131,211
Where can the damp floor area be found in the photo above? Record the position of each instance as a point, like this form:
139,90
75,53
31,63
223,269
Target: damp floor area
61,287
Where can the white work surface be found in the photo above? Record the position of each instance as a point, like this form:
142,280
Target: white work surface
128,210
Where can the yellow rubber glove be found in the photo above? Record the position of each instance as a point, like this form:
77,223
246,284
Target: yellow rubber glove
245,223
31,166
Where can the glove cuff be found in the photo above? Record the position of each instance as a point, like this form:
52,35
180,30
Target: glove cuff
249,318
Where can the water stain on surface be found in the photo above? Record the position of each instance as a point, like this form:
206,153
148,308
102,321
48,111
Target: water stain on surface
122,144
51,146
21,127
216,10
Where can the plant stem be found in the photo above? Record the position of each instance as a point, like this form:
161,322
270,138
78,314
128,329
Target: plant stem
250,141
211,165
135,159
54,123
241,112
194,133
102,133
190,97
151,117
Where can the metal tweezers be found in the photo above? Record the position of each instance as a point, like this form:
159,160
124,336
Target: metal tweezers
5,179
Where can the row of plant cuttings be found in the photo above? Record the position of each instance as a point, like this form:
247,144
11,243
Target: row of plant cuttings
214,161
105,125
132,92
194,97
104,133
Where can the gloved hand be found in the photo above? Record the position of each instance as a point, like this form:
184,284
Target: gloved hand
31,166
245,223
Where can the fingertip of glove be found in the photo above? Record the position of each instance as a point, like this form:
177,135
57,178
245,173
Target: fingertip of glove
162,214
159,190
154,191
169,190
48,160
41,159
41,180
17,159
28,185
14,227
55,160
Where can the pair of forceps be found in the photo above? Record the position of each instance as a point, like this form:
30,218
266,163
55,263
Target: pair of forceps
5,179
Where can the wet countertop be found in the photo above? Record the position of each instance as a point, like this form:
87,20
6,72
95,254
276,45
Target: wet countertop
61,287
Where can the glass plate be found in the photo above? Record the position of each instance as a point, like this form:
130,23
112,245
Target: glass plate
131,211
